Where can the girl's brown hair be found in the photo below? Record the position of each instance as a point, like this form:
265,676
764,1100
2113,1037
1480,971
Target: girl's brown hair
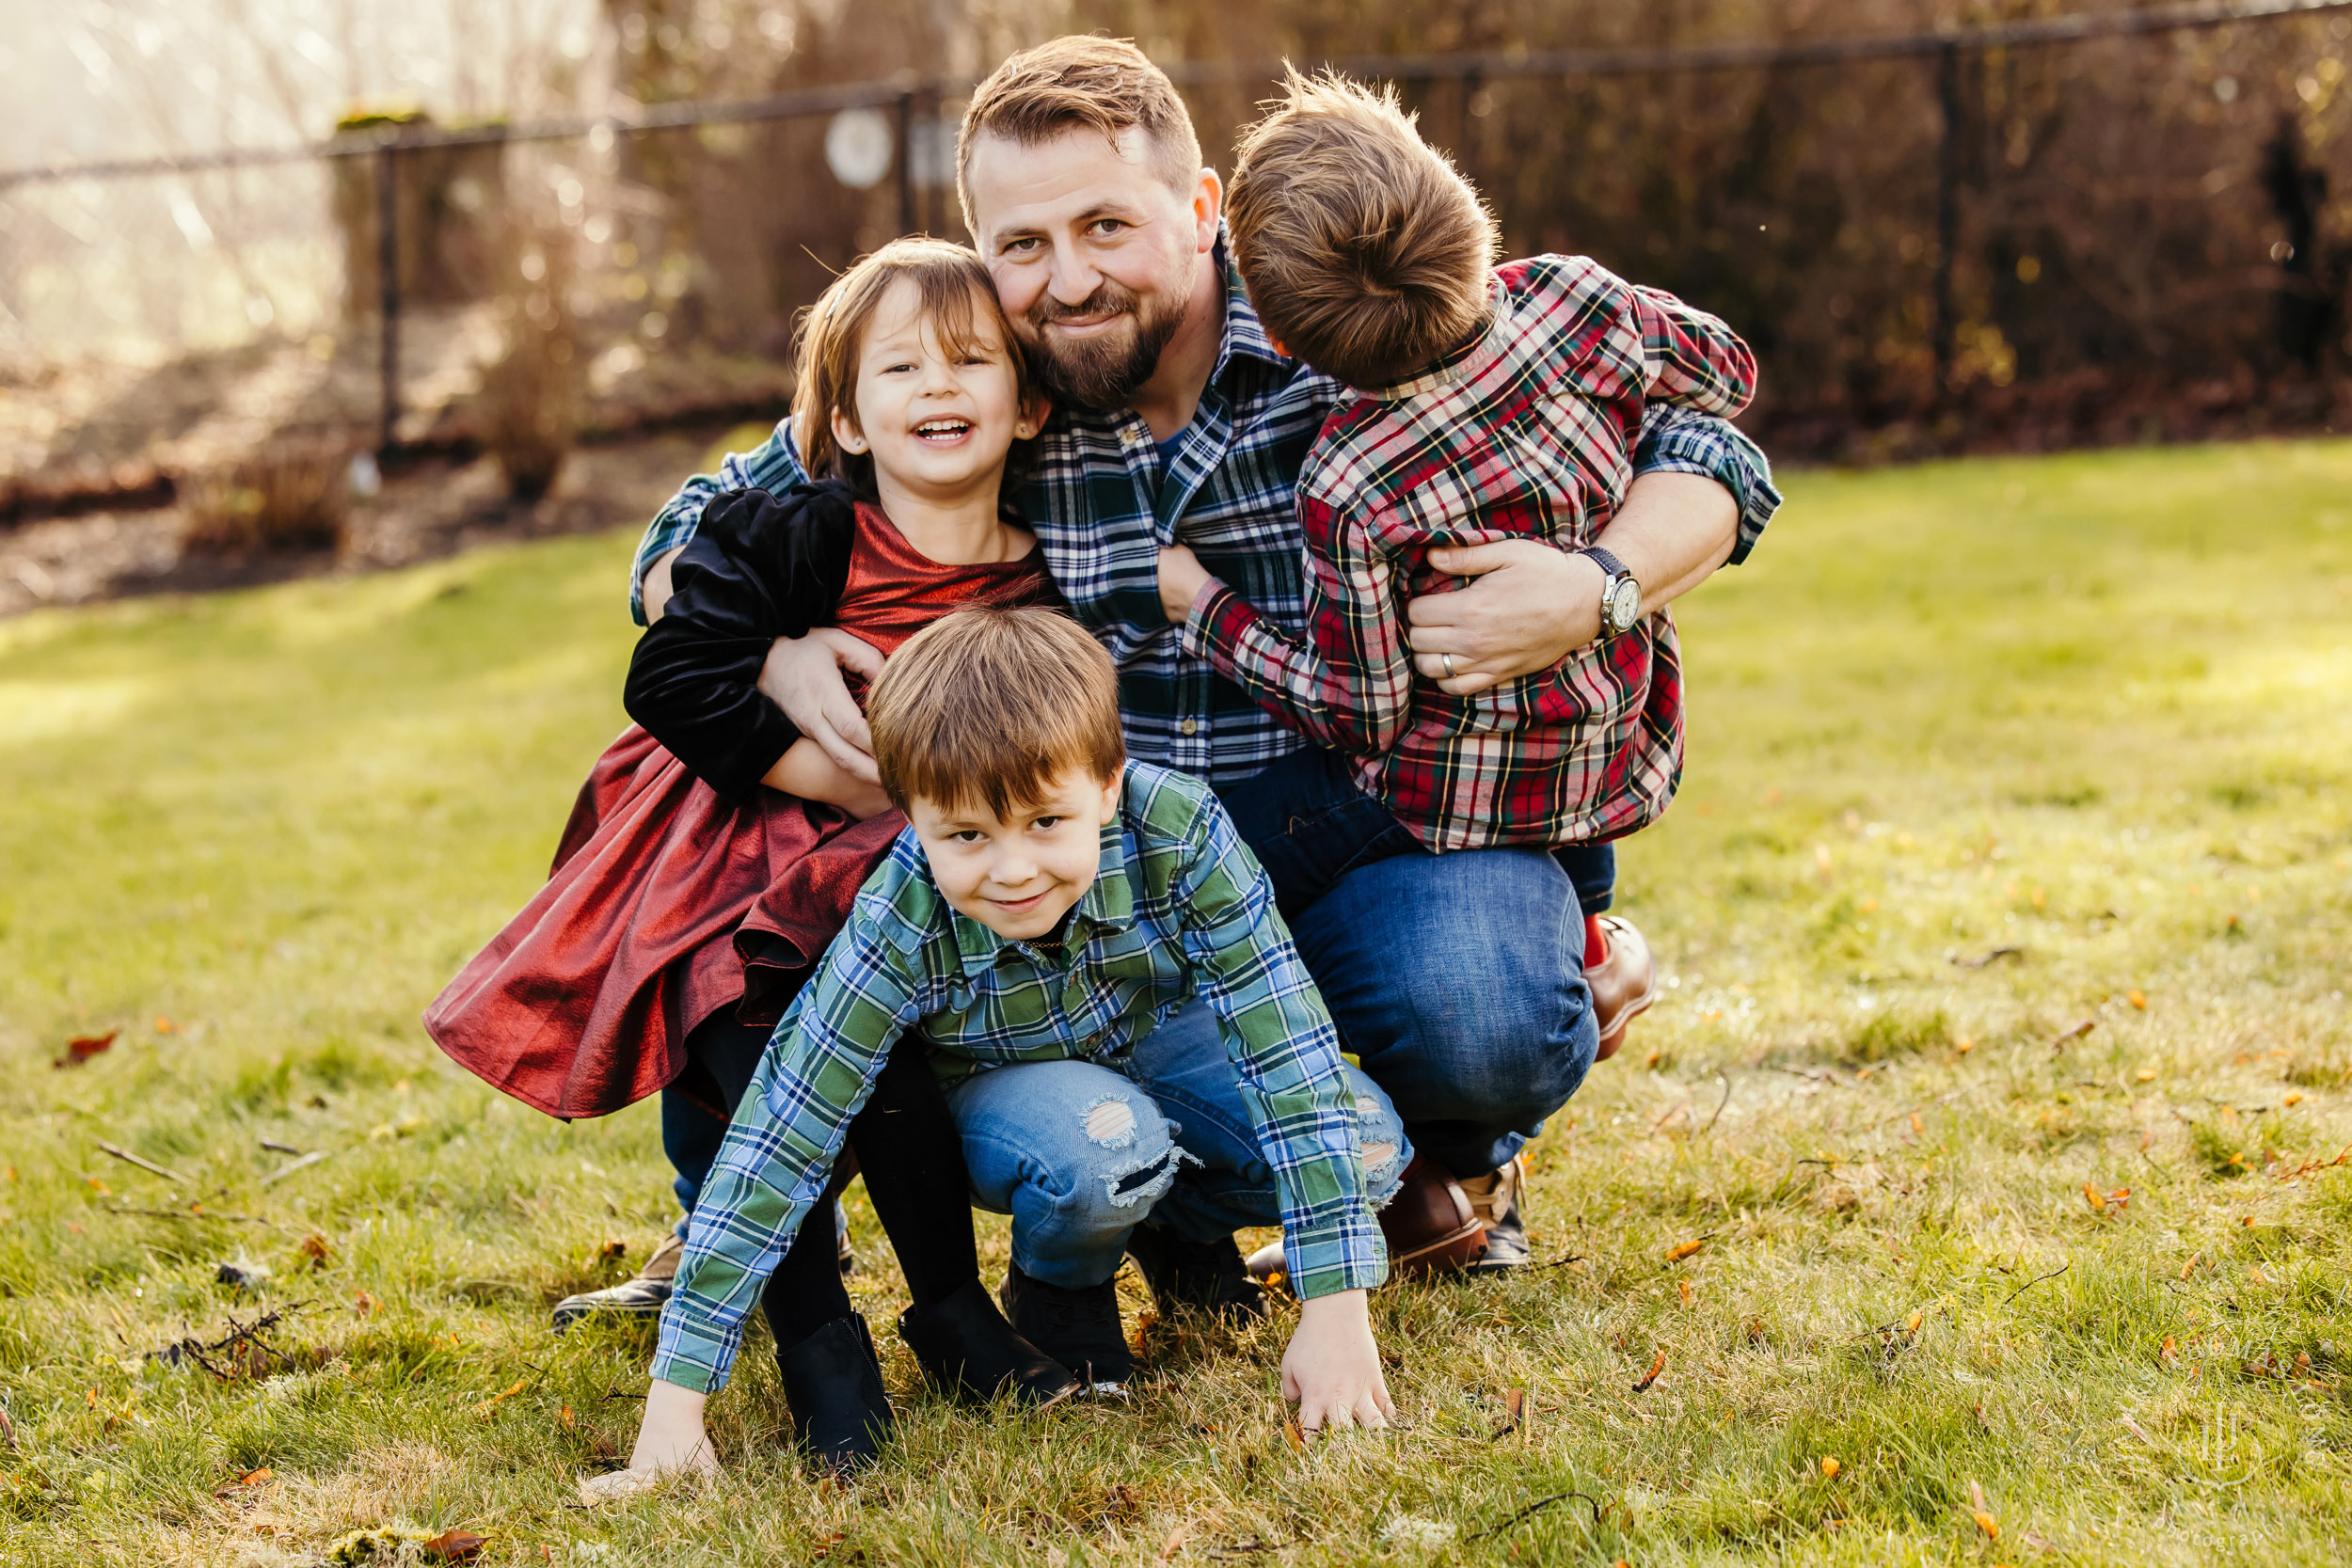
957,296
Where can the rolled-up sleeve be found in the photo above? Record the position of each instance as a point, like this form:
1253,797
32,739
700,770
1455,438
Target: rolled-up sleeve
1683,441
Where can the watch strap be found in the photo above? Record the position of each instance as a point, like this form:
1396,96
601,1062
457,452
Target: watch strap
1605,560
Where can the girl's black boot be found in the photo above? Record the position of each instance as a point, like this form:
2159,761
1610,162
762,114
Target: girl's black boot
964,1344
833,1384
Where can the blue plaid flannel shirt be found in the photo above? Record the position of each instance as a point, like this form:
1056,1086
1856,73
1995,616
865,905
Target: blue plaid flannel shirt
1101,504
1178,907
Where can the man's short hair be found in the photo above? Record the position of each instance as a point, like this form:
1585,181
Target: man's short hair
1365,252
1080,81
990,705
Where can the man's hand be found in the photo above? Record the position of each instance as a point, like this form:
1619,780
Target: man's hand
802,676
806,772
1533,606
1182,578
1332,1367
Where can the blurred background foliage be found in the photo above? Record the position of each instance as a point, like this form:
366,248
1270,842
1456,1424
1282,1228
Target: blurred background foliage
2152,232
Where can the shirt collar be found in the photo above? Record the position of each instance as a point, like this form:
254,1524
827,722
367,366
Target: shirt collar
1108,904
1459,364
1245,334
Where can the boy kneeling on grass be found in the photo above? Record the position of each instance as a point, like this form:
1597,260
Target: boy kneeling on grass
1049,906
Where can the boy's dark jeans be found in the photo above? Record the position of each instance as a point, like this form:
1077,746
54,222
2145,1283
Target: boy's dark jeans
1310,824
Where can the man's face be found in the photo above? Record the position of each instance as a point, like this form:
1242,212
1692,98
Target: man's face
1020,873
1094,255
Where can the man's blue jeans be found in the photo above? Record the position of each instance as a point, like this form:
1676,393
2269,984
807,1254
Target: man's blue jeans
1458,981
1079,1154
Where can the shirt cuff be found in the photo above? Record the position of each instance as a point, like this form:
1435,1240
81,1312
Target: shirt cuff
1719,451
1343,1253
692,1355
1214,623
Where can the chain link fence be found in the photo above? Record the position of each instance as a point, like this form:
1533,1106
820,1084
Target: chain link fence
1921,230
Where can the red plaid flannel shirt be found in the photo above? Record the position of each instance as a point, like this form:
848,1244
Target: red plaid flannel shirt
1527,432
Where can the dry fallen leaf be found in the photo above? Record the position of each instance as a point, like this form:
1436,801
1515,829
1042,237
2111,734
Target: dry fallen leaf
1658,1365
2138,998
1684,1249
164,1025
1830,1469
2146,1075
454,1545
1985,1521
1295,1437
316,1249
1911,1325
364,1302
81,1047
2292,1099
2171,1348
498,1399
1686,1292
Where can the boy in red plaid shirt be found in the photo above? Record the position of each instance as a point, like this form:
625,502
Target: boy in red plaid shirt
1490,403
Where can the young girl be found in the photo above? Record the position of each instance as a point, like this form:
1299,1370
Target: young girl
714,853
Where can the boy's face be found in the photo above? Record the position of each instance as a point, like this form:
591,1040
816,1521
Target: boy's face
1018,874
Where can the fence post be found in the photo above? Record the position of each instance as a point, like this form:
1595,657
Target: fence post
1946,204
906,162
387,284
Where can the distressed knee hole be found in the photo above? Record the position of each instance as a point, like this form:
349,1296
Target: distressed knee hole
1110,1121
1147,1180
1379,1158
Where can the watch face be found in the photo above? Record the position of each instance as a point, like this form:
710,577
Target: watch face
1625,604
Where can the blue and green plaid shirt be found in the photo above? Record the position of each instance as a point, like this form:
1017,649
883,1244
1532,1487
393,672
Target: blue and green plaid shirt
1103,500
1178,907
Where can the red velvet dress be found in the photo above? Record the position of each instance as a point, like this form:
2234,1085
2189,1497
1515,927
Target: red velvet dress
665,904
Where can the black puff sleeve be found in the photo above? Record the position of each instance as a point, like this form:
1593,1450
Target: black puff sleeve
760,567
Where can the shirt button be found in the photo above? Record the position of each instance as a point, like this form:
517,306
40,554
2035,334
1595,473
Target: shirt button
1190,726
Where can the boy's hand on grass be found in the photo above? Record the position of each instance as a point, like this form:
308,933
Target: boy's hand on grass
1332,1367
802,676
672,1435
1182,578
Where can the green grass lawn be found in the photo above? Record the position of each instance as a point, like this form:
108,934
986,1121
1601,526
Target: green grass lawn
2013,870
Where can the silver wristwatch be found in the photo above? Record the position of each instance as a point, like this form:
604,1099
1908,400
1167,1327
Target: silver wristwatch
1620,596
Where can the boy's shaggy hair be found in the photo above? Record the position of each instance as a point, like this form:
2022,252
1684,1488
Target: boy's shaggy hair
957,298
1365,253
989,706
1084,82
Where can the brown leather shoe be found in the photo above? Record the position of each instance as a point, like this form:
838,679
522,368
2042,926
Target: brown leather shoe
1624,983
1494,1197
1430,1226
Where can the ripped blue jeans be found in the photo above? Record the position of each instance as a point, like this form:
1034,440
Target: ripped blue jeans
1078,1154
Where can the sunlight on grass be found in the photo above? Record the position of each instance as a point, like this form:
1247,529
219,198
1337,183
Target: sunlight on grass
2005,917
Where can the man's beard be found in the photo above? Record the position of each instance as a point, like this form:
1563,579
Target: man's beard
1100,373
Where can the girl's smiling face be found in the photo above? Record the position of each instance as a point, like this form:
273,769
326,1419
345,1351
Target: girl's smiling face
936,416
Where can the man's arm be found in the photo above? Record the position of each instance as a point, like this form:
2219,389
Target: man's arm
774,465
1701,495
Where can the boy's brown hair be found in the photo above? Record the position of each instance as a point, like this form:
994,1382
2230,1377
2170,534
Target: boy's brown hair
1366,254
989,706
1084,82
958,299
